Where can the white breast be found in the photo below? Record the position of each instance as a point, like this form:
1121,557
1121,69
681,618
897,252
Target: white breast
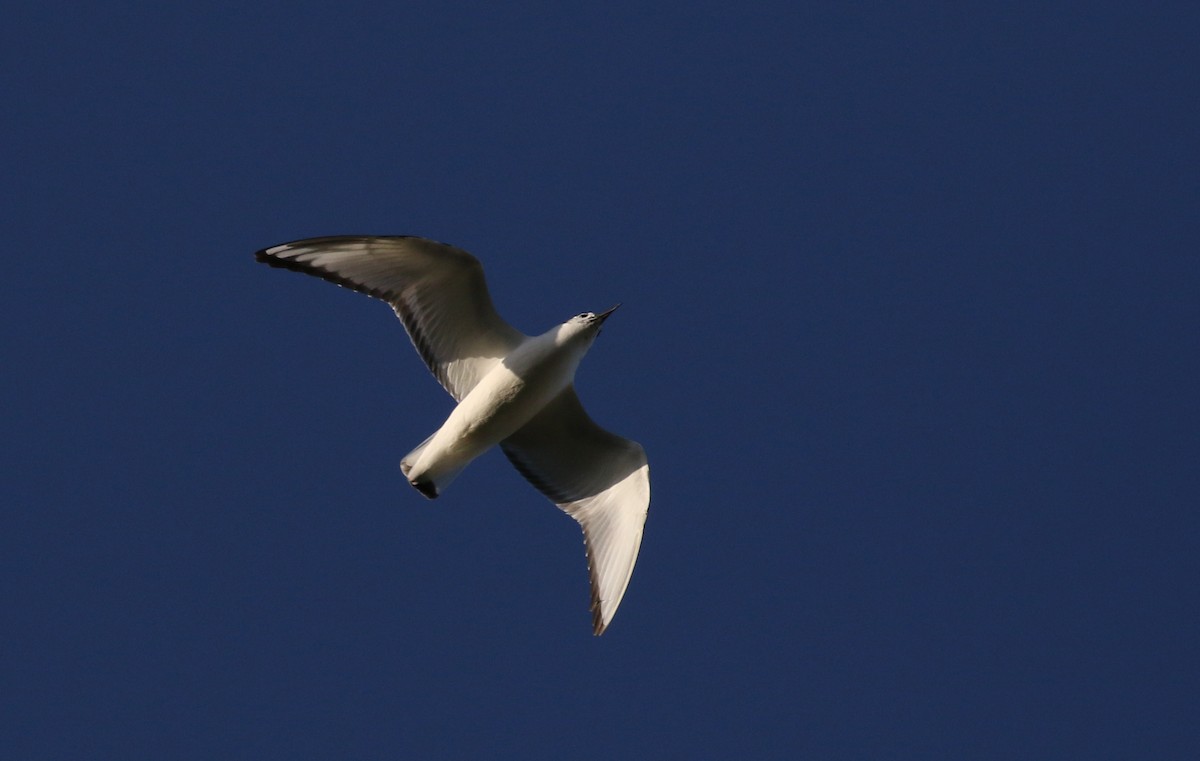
508,397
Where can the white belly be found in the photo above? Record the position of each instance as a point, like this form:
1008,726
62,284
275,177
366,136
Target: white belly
503,401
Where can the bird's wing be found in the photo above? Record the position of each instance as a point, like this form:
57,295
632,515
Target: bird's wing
599,479
437,291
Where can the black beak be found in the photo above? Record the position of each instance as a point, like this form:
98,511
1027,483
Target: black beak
604,315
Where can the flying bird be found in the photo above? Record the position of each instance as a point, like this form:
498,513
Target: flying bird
513,390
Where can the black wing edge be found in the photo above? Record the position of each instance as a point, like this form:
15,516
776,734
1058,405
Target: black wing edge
598,626
269,259
263,255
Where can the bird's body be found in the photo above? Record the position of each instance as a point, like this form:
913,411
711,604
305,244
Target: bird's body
513,390
505,399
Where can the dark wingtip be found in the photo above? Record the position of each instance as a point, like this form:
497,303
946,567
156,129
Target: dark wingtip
265,256
598,625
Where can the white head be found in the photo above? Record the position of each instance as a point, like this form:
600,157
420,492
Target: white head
585,325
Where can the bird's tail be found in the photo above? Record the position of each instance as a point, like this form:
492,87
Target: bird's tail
433,481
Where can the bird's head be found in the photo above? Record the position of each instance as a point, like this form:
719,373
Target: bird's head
588,323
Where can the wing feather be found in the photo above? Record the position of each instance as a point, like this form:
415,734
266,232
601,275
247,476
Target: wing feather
600,479
437,291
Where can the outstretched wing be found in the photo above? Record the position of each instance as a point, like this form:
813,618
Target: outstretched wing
600,480
438,291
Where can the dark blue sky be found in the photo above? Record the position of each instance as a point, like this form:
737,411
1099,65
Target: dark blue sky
909,334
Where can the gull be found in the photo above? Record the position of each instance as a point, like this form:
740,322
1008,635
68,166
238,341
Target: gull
513,390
